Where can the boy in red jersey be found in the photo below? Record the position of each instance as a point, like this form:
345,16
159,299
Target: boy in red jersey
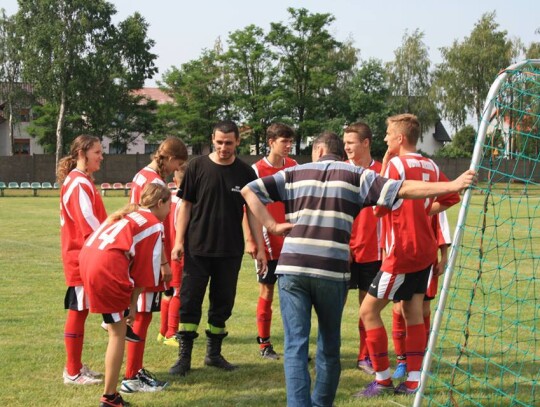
365,234
118,260
81,212
410,247
279,137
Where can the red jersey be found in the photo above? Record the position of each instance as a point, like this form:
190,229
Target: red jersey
144,177
366,231
176,266
119,256
273,243
409,239
81,212
441,228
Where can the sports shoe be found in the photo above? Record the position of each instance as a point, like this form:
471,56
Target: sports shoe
130,335
172,341
365,366
375,389
403,389
268,352
118,401
87,371
401,371
82,378
144,382
160,338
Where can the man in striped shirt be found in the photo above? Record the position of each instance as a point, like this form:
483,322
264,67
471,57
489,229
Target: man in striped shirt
321,201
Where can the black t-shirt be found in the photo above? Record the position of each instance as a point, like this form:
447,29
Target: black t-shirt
215,227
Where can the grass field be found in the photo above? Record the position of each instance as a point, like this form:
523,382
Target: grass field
32,318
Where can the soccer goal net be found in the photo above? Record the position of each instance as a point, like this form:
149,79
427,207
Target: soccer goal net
484,349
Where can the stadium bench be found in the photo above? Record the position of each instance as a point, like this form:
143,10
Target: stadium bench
35,186
105,187
46,185
2,187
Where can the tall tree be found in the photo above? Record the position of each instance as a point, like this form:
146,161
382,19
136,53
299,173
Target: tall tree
253,79
469,68
72,54
311,62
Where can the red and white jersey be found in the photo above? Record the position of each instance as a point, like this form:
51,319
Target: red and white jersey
409,239
81,212
176,266
273,243
119,256
145,176
441,228
366,230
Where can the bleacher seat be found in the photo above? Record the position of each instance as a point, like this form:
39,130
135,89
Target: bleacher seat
46,185
118,185
25,185
129,185
104,187
35,186
13,185
2,187
56,185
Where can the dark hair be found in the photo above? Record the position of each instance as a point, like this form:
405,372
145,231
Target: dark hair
333,144
407,124
276,130
83,143
361,129
226,126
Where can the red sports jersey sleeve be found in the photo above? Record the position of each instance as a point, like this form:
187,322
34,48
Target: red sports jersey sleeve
366,231
409,239
81,212
119,256
273,243
144,177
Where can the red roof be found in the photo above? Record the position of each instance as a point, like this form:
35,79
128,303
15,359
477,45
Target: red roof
154,94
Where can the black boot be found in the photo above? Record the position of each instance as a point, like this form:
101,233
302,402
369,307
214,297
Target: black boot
183,364
213,352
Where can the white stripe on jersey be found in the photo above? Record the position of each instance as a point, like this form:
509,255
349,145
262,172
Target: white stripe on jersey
384,283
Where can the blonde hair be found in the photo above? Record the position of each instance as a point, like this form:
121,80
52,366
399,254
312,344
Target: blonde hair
171,147
407,124
151,195
83,143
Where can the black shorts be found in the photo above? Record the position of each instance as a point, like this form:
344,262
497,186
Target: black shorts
362,274
75,299
270,277
114,317
399,287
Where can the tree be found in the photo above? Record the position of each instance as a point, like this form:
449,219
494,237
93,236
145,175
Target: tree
253,79
462,144
469,68
72,54
410,79
311,62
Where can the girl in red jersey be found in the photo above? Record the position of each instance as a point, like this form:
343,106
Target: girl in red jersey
81,212
118,260
169,157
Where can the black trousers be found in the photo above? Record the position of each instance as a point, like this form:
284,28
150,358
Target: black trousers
222,273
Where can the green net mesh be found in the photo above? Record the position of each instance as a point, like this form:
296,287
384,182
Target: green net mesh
487,350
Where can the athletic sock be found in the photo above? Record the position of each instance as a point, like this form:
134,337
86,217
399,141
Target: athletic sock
174,316
416,344
135,350
427,325
74,339
164,314
264,318
377,343
362,348
399,332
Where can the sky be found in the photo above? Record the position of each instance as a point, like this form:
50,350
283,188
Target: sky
183,28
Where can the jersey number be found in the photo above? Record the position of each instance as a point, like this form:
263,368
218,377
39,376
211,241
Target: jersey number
108,235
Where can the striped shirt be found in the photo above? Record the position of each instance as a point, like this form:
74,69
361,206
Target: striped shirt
322,199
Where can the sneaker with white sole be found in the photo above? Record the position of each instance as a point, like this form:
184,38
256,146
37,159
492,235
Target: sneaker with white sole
172,341
144,382
83,378
87,371
365,366
268,352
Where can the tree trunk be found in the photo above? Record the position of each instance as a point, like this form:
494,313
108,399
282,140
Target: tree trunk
59,127
11,130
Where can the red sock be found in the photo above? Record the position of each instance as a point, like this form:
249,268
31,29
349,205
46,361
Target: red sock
174,314
377,343
74,339
427,325
135,351
164,314
362,348
264,318
416,344
399,331
411,385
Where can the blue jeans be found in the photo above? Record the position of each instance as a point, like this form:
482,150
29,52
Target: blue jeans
297,295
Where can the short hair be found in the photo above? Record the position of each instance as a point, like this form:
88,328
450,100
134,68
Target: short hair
276,130
361,129
226,126
407,124
332,142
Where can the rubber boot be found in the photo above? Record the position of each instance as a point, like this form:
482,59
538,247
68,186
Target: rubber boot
213,352
183,364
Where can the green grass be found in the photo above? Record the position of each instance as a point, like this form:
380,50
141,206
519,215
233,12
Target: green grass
32,318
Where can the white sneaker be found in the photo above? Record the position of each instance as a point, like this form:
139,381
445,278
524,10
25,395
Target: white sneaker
89,372
82,378
144,382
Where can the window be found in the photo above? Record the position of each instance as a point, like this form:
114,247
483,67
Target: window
21,146
150,148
